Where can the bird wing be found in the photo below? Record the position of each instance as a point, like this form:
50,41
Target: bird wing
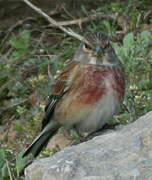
58,90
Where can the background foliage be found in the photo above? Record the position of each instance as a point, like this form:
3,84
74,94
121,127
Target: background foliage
31,54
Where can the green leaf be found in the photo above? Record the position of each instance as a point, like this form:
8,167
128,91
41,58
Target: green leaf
5,173
3,166
2,157
20,44
150,56
146,37
128,40
144,84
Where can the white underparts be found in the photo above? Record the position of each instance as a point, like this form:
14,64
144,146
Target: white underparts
93,60
101,112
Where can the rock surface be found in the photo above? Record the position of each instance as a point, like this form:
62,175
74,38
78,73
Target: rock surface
122,154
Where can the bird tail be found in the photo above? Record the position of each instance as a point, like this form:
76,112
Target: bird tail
42,139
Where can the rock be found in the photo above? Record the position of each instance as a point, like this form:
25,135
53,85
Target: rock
122,154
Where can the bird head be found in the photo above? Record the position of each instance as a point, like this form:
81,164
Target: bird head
96,49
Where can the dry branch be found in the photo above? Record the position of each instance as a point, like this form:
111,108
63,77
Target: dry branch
14,105
87,19
52,21
19,23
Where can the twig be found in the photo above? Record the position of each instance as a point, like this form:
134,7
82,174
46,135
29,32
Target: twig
86,19
52,21
20,22
9,171
49,73
66,11
56,11
41,38
14,105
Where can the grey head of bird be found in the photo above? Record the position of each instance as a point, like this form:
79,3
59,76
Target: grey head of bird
96,49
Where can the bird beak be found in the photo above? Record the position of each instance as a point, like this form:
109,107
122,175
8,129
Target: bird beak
99,50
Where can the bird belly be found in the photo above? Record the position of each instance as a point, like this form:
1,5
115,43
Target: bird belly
91,101
88,118
99,114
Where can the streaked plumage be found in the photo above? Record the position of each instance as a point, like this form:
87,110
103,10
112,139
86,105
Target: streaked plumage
87,92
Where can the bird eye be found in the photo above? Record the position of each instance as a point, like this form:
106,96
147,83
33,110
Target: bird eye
106,45
87,46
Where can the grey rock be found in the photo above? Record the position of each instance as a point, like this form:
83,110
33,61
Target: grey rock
122,154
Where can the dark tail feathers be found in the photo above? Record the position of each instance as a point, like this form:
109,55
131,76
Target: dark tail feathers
42,139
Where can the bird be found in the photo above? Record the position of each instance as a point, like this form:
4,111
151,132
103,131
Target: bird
87,92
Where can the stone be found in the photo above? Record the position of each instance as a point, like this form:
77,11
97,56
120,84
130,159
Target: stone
121,154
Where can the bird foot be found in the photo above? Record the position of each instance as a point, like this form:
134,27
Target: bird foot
94,134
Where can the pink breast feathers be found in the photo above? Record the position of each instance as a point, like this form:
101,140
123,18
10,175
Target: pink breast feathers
93,84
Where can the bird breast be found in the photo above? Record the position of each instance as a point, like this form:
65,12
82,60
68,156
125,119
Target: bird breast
90,83
93,90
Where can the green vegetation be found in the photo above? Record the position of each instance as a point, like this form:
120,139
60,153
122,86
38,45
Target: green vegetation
137,60
29,60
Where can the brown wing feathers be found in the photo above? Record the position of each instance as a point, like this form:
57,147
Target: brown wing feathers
58,90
